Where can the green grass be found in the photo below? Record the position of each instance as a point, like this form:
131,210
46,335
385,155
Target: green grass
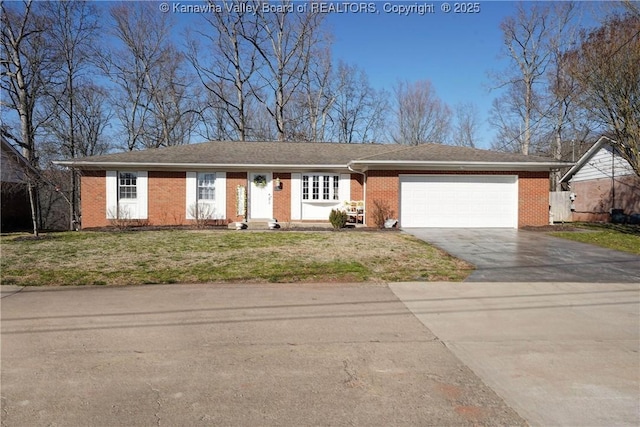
203,256
624,238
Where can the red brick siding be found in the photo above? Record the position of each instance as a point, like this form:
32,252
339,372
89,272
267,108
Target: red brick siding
595,198
382,187
93,198
357,188
533,192
233,180
533,198
282,198
167,198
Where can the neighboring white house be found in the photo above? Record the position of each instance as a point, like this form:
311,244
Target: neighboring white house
602,181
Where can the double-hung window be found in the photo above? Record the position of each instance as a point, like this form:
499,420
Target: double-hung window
320,187
206,186
126,194
127,186
205,195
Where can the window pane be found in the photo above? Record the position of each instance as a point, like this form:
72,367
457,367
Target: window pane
206,186
127,185
305,187
325,188
320,187
316,187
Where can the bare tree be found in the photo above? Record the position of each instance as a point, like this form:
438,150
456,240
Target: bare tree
151,96
359,110
25,76
309,113
92,117
72,35
214,114
524,40
466,125
632,7
606,66
421,116
561,112
174,114
285,41
227,72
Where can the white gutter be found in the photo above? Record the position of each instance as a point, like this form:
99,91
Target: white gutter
365,165
190,166
364,192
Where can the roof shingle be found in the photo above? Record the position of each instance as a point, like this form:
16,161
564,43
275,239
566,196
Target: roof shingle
236,154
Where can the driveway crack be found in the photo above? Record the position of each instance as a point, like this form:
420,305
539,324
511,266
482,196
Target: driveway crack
158,402
13,293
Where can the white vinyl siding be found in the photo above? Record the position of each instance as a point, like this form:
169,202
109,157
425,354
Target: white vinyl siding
206,195
314,195
344,191
601,165
112,194
459,201
296,196
127,194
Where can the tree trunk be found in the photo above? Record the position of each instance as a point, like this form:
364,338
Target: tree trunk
32,202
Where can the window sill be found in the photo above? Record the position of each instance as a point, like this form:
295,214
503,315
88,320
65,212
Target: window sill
322,202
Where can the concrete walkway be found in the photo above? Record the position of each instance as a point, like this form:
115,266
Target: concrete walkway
558,353
508,255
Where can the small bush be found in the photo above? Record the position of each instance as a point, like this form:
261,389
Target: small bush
380,212
338,218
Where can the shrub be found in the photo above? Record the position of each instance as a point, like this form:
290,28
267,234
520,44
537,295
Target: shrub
380,212
338,218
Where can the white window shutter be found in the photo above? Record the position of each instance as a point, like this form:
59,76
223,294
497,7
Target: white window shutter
220,210
296,196
112,194
344,190
192,196
142,185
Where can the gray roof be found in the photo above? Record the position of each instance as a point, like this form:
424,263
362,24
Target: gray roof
289,155
443,153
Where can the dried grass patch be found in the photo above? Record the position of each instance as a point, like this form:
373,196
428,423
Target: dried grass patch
186,256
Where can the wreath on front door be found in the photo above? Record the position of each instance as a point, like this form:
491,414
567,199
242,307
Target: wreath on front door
260,181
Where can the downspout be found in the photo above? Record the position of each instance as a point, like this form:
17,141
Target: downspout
364,190
613,178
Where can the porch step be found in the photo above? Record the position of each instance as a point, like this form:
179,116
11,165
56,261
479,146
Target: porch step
264,225
253,225
257,225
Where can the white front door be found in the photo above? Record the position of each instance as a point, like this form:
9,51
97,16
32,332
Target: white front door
260,195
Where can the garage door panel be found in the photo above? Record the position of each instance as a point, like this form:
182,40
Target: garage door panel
458,200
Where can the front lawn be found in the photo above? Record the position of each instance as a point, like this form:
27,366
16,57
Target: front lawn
612,236
201,256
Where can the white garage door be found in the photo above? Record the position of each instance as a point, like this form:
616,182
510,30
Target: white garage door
459,201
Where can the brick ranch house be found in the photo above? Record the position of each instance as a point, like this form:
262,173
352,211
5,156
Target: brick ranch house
429,185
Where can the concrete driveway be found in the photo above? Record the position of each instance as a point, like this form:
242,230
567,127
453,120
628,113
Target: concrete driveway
508,255
561,354
236,355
